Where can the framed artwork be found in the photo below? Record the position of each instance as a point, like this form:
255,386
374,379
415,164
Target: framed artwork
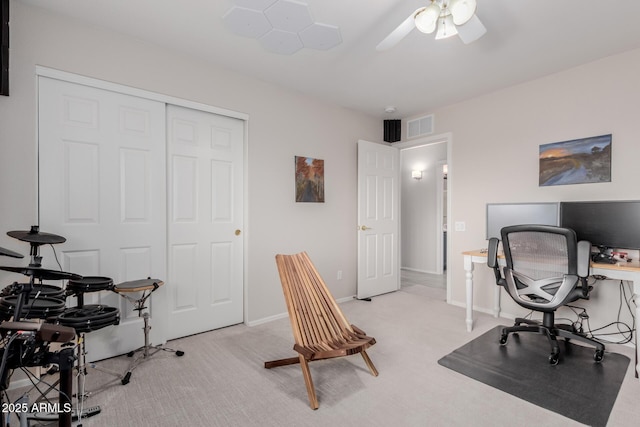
578,161
309,179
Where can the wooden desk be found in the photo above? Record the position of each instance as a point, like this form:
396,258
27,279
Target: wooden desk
621,271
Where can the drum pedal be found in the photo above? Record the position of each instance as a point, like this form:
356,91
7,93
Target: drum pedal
54,416
86,413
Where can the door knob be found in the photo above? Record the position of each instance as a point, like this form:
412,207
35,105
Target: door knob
238,232
365,228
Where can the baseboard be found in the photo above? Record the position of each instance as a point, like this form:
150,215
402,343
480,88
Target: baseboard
284,315
479,309
267,319
345,299
417,270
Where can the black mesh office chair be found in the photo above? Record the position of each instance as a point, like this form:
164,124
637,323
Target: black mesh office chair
546,268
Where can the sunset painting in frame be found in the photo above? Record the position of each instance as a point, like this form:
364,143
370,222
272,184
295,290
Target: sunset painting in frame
309,179
578,161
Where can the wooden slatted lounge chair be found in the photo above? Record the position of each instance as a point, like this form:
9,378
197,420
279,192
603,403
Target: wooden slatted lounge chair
319,327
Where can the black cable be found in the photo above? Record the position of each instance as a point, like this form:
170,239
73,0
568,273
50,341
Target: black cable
35,381
5,398
40,285
55,255
628,300
626,332
5,354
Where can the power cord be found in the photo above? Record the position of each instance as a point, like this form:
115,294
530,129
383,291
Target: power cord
624,329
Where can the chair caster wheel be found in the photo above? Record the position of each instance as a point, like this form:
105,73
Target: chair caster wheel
179,353
503,339
554,358
598,356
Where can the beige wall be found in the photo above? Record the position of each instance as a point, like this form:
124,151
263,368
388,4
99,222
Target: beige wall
495,155
282,124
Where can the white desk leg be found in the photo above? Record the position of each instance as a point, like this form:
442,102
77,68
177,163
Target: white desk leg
496,301
468,266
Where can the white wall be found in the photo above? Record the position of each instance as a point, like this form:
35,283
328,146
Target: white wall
419,210
496,139
282,124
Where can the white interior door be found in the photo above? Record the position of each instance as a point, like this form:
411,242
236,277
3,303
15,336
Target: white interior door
205,220
378,220
102,186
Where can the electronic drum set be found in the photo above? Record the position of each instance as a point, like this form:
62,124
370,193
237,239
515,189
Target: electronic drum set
34,314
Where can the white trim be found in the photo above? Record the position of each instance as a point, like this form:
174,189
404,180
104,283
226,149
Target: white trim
440,181
284,315
479,309
266,319
245,222
449,211
140,93
346,299
419,142
417,270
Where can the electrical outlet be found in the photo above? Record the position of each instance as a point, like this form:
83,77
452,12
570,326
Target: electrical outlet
460,226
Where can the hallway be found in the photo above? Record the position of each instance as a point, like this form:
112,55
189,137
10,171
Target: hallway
437,283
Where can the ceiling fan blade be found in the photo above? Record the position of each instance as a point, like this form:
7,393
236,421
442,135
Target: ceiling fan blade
472,30
399,33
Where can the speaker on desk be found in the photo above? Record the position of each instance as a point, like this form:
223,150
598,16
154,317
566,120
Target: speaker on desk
392,130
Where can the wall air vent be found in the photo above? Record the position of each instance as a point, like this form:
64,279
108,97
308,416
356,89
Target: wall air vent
420,126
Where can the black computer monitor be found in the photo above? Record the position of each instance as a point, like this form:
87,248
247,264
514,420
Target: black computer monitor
608,225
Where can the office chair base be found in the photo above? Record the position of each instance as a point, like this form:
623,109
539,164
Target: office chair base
552,332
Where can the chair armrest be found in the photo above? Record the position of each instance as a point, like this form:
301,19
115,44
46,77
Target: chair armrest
492,252
492,260
584,264
584,258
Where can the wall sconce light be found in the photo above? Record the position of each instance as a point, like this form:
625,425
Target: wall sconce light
445,170
416,174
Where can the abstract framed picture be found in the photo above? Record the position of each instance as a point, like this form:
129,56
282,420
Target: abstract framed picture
578,161
309,179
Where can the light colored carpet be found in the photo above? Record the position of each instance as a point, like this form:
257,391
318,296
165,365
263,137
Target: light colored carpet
221,381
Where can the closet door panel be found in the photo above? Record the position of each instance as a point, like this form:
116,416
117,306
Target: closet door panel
102,174
206,154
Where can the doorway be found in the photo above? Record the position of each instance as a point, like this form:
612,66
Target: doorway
425,204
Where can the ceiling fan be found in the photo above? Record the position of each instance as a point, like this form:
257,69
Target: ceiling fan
448,17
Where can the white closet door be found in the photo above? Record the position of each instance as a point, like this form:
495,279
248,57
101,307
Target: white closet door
205,221
102,186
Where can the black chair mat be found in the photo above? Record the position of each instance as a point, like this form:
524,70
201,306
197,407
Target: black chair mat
577,388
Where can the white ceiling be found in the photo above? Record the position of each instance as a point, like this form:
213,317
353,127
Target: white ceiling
525,39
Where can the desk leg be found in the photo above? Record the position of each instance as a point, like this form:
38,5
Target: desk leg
496,301
468,266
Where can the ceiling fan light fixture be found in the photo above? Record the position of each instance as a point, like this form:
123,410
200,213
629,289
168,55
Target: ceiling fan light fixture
427,19
446,28
462,10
